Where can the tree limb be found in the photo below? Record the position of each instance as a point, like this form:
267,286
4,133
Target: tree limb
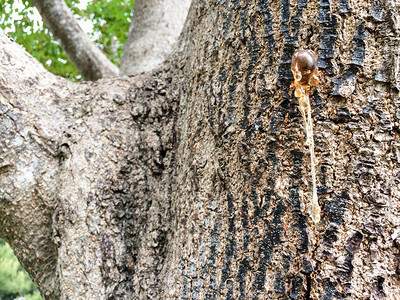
60,142
86,56
31,126
154,30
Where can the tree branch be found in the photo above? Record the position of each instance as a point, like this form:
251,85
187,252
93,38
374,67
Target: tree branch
86,56
154,30
31,123
76,225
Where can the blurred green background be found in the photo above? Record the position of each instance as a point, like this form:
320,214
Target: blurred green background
107,24
105,21
14,281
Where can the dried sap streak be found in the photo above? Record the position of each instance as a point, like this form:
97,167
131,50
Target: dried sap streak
305,72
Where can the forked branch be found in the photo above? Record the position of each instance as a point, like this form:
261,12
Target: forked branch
86,56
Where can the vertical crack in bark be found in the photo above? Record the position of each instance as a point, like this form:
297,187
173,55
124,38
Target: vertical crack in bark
307,295
328,38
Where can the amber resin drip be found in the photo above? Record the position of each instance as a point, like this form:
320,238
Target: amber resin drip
305,72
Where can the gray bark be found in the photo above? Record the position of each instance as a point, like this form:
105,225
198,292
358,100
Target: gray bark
155,28
193,182
84,54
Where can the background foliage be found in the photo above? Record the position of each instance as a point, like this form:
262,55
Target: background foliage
14,281
109,19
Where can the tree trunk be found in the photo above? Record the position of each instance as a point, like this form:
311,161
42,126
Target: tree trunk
193,181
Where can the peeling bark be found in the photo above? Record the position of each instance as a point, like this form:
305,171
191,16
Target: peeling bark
155,28
85,55
193,181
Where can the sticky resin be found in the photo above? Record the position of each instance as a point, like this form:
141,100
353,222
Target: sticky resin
305,72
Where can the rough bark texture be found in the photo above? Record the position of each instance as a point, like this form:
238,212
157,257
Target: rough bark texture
85,55
84,195
193,182
155,28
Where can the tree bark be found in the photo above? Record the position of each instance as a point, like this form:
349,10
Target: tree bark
193,181
155,28
84,54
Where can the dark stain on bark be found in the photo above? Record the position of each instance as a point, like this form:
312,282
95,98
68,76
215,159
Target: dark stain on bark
226,19
244,151
272,157
185,293
211,265
275,124
323,189
297,157
259,209
301,220
268,31
286,261
307,294
243,18
230,244
306,265
294,198
284,72
317,103
285,10
265,202
266,246
344,6
330,291
352,245
301,227
245,223
241,277
296,21
334,211
346,268
197,285
259,281
359,46
108,259
357,59
378,12
277,227
330,235
279,283
379,291
229,293
297,287
342,115
265,94
328,22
